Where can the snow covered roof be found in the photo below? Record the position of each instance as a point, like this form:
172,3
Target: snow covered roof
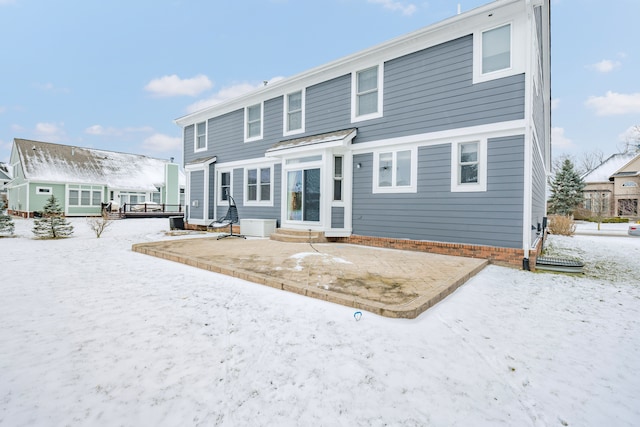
44,161
609,167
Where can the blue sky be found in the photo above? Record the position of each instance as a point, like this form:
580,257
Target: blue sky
115,74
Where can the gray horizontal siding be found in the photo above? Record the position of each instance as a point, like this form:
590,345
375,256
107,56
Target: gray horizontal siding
432,90
337,217
435,213
266,212
538,198
196,188
426,91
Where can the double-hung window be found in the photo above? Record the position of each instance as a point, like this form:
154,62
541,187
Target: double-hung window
258,186
395,171
469,166
366,97
201,136
253,123
294,113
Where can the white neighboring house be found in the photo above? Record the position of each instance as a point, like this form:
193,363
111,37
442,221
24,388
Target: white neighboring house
84,179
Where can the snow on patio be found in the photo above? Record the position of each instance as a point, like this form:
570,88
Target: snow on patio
94,334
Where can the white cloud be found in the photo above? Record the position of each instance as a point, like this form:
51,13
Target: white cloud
605,66
175,86
406,9
615,104
100,130
50,132
228,93
555,103
161,142
558,140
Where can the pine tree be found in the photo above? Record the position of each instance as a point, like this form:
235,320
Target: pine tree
52,224
566,190
6,222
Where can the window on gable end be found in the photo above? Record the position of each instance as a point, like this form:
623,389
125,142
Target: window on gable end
201,136
366,102
294,113
496,49
253,122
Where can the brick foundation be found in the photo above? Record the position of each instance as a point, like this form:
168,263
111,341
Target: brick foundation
507,257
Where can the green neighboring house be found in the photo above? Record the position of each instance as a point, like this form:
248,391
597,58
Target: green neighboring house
82,179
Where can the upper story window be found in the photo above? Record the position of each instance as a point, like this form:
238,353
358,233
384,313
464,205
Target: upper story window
201,136
253,122
294,113
629,184
258,186
395,171
366,96
496,49
469,166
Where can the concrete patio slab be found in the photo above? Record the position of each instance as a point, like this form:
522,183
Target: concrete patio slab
388,282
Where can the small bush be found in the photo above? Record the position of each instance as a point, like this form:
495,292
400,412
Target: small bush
616,220
562,225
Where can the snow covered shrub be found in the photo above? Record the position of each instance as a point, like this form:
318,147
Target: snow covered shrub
562,225
52,224
6,222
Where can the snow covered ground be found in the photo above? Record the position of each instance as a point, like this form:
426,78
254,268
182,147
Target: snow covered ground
92,334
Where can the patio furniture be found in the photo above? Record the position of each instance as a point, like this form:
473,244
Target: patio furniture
229,219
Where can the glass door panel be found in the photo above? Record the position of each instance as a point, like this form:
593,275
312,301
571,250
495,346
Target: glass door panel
303,195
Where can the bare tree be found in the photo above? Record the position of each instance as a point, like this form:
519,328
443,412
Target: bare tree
590,160
99,224
631,143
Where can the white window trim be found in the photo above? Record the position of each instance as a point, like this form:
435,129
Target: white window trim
354,94
479,186
285,118
412,188
91,189
44,191
246,185
218,183
195,136
478,75
246,127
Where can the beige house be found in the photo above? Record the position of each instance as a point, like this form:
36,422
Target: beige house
613,188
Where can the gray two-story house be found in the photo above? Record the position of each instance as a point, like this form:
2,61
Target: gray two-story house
438,140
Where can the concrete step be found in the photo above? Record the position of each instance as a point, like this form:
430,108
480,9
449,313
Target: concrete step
298,236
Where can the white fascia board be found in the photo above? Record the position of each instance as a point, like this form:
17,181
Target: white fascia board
449,29
494,130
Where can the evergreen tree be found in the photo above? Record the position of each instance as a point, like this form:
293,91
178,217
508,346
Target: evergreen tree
566,190
52,224
6,222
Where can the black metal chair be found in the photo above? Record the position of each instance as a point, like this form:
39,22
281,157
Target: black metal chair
229,219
